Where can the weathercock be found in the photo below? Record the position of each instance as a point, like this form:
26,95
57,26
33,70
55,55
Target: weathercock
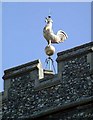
49,34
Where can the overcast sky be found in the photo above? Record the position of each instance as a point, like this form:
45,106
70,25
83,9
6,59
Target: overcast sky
22,28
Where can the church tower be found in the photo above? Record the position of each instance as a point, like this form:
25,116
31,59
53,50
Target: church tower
33,93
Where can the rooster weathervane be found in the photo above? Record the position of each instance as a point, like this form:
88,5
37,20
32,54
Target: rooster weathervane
52,38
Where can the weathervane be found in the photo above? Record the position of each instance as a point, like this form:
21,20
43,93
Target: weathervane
52,38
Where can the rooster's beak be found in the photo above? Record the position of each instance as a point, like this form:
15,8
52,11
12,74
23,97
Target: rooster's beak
45,19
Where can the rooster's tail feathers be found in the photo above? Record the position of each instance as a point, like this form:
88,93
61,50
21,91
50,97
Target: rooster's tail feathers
63,36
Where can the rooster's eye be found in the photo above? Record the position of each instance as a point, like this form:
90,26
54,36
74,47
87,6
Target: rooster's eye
49,16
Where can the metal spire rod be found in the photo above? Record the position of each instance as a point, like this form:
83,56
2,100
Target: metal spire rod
49,12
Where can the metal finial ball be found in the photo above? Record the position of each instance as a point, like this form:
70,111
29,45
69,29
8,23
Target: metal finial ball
49,50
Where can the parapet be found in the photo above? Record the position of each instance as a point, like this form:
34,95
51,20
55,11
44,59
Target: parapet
33,69
75,59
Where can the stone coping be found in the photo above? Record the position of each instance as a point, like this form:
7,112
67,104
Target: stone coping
75,52
21,69
75,48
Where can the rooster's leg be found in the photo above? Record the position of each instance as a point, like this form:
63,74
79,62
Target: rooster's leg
49,42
